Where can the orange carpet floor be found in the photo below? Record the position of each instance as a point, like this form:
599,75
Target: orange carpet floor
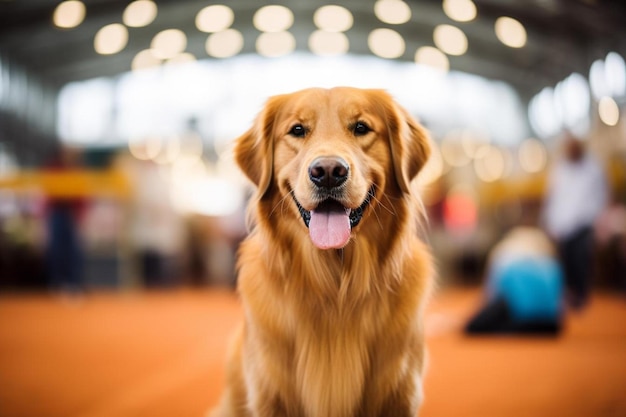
162,354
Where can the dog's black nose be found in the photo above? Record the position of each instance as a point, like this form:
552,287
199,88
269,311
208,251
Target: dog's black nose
328,171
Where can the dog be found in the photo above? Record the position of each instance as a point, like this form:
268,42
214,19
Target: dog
332,277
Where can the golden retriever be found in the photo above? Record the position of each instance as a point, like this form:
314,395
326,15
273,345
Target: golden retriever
333,277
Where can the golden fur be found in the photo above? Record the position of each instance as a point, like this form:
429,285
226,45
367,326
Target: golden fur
331,333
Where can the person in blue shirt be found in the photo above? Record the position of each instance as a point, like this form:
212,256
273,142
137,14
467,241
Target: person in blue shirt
524,292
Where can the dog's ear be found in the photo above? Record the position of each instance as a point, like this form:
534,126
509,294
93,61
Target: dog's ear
410,146
254,150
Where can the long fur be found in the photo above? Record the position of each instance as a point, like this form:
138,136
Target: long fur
331,333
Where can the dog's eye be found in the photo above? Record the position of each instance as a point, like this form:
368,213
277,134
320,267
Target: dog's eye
361,129
298,131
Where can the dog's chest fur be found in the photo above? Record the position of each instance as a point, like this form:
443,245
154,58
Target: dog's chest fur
332,362
330,346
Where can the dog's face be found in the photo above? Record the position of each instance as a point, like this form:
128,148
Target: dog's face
330,154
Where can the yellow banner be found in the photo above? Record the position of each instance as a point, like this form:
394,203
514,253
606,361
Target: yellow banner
70,183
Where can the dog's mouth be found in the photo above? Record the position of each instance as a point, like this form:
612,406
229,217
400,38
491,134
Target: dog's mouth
330,223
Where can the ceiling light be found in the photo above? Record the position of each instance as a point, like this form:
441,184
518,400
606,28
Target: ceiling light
139,13
273,44
542,114
510,32
608,111
433,57
328,43
450,39
144,59
572,102
111,39
273,18
615,73
386,43
597,79
333,18
69,14
214,18
394,12
168,43
460,10
224,44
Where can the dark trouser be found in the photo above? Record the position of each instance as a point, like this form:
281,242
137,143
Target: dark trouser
495,317
576,254
64,253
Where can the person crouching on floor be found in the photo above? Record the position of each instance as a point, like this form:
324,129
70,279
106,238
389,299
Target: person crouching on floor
524,287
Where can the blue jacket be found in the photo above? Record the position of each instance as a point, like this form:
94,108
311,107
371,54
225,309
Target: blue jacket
531,286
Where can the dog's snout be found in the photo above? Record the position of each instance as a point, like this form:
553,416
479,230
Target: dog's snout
329,172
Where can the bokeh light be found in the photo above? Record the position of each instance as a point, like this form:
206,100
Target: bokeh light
386,43
140,13
510,32
460,10
608,111
333,18
274,44
393,12
69,14
111,39
532,155
168,43
214,18
328,43
490,166
224,44
273,18
433,57
450,39
145,59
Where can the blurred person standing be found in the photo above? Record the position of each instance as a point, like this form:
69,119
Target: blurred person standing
157,230
576,194
64,249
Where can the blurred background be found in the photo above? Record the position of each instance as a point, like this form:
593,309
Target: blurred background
126,113
117,120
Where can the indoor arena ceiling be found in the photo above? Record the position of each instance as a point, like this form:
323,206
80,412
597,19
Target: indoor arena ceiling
564,36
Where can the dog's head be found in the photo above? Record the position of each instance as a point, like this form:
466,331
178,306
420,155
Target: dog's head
330,153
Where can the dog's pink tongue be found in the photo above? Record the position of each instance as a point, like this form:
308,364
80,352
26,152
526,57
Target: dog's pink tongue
329,227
